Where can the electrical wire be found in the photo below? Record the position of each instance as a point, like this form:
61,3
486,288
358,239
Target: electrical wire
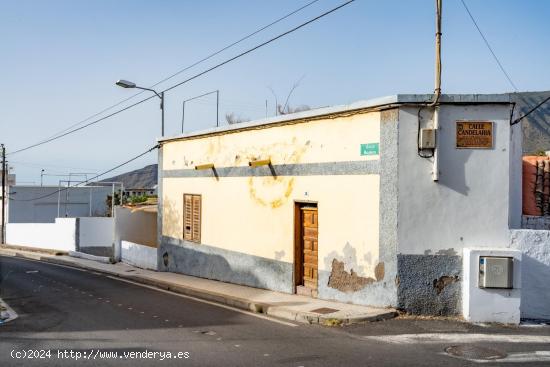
530,111
190,78
489,47
90,179
206,58
260,45
80,127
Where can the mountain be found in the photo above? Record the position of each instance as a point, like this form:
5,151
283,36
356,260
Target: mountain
143,178
536,127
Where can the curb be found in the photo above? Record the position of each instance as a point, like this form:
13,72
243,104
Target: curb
232,301
8,247
82,255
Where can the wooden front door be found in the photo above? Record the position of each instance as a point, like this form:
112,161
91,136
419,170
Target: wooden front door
307,259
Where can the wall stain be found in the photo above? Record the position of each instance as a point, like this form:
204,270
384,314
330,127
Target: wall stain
379,271
443,281
346,282
279,255
449,252
274,191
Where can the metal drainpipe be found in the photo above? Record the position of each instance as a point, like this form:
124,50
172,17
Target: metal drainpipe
435,172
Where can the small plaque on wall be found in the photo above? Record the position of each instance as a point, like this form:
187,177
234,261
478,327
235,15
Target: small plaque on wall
474,134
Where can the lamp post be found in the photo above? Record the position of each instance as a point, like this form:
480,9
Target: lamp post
41,177
126,84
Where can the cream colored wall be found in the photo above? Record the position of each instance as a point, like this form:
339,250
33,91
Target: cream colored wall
255,215
333,140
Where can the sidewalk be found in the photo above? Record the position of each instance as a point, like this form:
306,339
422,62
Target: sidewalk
281,305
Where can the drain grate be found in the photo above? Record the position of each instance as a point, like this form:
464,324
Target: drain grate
468,351
324,310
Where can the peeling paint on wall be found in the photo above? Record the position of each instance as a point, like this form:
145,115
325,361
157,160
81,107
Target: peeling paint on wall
443,281
379,271
343,281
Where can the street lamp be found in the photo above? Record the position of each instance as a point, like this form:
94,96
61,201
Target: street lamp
126,84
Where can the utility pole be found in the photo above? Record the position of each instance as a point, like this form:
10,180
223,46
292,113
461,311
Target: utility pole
3,194
437,88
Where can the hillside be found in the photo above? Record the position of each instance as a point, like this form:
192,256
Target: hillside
536,127
143,178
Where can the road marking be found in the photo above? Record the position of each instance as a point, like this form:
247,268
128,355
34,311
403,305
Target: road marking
434,338
31,271
521,357
260,316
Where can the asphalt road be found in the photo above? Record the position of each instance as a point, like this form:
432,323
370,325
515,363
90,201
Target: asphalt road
65,314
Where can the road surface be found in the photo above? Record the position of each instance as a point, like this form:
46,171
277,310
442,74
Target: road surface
69,316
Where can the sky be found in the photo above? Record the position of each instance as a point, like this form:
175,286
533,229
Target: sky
60,59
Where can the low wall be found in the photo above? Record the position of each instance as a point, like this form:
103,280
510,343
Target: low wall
535,222
138,255
535,246
60,235
137,227
96,236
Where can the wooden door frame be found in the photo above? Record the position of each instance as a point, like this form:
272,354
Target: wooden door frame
298,241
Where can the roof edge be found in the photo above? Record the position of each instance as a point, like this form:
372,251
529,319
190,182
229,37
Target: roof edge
397,99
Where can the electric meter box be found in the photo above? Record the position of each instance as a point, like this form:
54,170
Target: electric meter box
496,272
427,139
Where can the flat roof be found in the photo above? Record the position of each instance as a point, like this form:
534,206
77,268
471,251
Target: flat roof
397,99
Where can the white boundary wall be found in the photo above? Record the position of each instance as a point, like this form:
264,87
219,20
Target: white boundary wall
535,273
136,237
66,234
138,255
60,235
96,232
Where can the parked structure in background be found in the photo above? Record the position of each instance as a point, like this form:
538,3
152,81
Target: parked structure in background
43,204
10,179
131,192
342,203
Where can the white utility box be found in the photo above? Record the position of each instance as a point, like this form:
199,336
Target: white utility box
427,139
496,272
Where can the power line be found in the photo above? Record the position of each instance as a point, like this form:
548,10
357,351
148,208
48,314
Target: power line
81,127
92,178
530,111
189,66
190,78
260,45
489,47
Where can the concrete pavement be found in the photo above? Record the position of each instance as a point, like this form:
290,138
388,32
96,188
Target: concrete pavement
274,304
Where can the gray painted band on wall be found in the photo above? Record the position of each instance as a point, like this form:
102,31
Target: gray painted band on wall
301,169
389,193
210,262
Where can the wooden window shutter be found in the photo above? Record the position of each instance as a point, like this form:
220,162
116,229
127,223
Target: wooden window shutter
196,218
192,212
187,217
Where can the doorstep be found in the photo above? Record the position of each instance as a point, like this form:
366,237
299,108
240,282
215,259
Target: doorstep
280,305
